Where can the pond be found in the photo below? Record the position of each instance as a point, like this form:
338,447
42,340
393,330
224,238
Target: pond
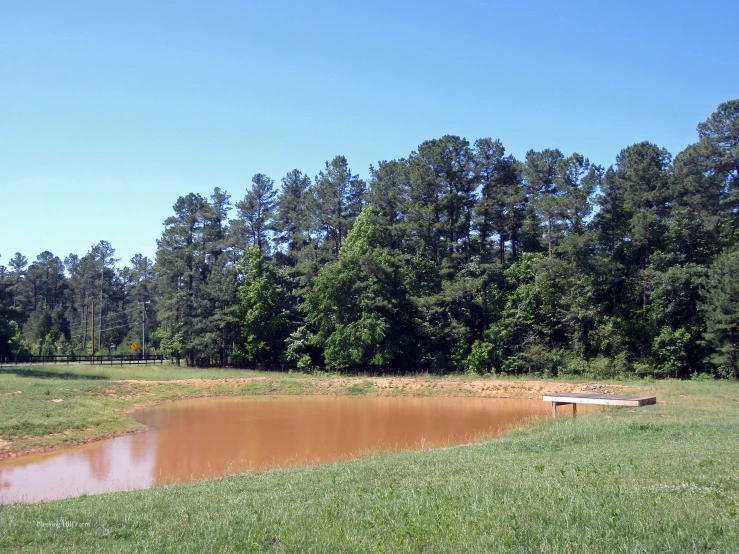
205,438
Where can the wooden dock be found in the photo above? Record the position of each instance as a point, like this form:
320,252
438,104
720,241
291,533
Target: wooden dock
576,398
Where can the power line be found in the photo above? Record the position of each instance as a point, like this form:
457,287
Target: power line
102,330
116,327
126,318
129,321
127,310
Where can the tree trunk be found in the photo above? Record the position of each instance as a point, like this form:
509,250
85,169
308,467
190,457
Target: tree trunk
645,292
613,262
84,339
484,305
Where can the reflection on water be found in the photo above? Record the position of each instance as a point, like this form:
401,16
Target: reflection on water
90,469
197,439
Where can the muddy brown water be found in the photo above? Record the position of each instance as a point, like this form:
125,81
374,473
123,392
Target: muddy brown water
211,437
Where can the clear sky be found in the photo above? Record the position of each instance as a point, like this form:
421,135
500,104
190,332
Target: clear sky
111,110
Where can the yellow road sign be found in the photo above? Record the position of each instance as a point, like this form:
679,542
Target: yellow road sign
134,346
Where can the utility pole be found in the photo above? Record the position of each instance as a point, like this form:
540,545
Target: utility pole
143,329
84,339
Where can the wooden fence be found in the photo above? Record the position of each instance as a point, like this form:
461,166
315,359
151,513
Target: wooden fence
120,359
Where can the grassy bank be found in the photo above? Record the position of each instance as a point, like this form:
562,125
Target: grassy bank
53,406
44,407
656,479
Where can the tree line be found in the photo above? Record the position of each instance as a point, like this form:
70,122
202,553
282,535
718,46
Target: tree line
459,257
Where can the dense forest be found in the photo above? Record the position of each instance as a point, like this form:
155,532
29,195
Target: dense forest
458,258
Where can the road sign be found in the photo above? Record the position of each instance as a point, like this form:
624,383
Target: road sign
134,346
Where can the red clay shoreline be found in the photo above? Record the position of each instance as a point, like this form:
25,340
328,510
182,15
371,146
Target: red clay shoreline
381,386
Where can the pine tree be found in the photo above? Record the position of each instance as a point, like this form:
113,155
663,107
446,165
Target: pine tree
291,219
255,213
338,199
450,161
10,319
719,142
721,309
496,209
540,174
17,265
388,194
577,181
180,269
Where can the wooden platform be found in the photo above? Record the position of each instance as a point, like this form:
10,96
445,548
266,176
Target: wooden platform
576,398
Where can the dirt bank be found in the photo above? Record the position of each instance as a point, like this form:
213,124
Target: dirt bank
126,396
501,388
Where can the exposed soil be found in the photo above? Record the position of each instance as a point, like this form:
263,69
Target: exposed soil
10,454
411,386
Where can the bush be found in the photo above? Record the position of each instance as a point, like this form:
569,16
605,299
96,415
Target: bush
647,368
305,364
535,359
47,346
479,359
572,364
600,367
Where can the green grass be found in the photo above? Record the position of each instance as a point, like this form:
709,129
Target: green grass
363,387
43,407
154,372
662,478
47,406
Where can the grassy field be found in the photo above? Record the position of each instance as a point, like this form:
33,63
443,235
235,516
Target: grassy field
662,478
62,405
43,407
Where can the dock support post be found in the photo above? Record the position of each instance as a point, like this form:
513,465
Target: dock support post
555,404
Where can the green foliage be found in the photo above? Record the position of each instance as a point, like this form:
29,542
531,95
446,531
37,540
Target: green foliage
721,309
9,326
338,200
47,346
265,316
656,479
359,305
672,349
463,259
305,364
480,356
171,342
255,213
599,367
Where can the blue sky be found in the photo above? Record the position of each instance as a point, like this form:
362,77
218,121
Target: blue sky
110,111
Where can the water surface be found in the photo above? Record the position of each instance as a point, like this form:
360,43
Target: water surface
210,437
